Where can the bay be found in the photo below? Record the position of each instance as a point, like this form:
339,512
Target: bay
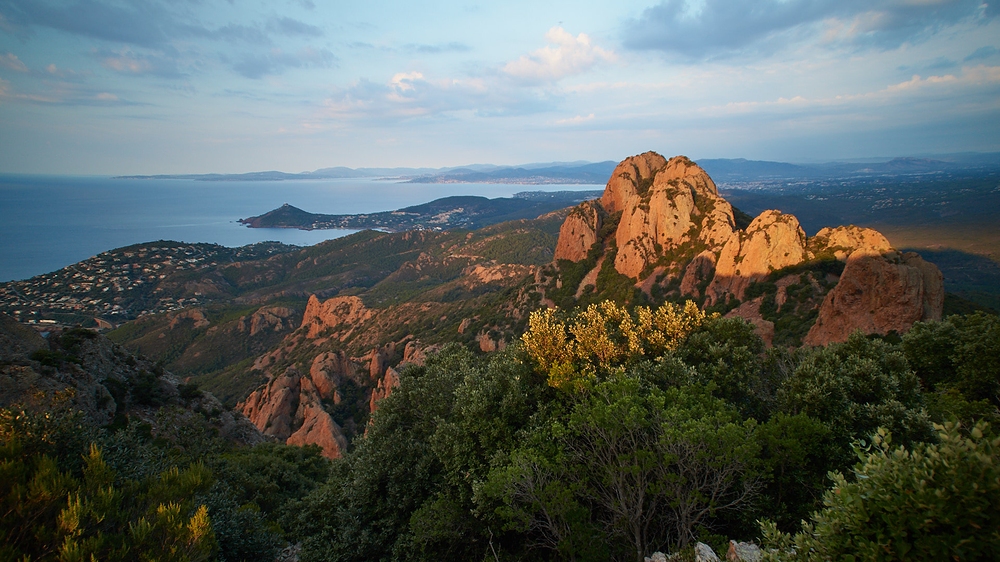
49,222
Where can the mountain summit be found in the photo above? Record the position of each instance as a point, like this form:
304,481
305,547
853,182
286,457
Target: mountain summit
662,224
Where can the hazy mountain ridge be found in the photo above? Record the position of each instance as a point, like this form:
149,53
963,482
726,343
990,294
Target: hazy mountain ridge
583,172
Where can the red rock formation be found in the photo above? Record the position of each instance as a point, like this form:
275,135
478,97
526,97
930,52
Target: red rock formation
701,269
337,314
671,211
627,179
289,408
268,318
772,241
315,426
845,240
750,311
681,206
579,231
878,294
384,388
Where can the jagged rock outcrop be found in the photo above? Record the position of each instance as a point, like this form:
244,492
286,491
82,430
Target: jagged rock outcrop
341,315
664,205
383,388
676,236
772,241
700,270
289,408
842,241
294,404
680,206
579,231
268,318
628,179
878,294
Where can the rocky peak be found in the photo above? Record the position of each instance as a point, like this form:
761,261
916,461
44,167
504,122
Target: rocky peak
675,230
579,231
681,207
772,241
631,177
843,241
340,314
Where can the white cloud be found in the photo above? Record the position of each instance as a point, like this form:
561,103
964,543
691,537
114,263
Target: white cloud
128,63
575,120
969,82
565,55
11,62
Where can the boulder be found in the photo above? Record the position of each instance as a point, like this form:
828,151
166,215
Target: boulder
704,553
744,552
843,241
878,294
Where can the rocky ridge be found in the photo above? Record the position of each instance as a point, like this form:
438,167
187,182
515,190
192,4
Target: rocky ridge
84,371
672,234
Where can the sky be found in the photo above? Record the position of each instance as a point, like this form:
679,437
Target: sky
197,86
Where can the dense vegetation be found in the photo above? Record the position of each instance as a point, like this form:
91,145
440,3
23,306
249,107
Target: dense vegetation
611,434
607,433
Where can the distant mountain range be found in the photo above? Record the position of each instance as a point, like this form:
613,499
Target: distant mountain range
723,170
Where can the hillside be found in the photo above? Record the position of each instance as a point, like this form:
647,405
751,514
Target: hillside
441,214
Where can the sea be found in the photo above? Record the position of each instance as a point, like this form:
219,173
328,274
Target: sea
49,222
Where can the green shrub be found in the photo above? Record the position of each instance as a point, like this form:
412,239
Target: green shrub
936,501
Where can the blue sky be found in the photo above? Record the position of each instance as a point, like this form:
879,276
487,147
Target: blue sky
186,86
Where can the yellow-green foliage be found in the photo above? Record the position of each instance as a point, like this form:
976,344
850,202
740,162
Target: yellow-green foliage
49,513
603,337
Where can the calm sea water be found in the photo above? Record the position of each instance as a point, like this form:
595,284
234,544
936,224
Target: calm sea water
49,222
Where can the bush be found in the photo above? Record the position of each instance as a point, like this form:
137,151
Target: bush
936,501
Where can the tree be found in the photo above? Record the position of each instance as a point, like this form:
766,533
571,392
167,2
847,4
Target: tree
958,361
854,388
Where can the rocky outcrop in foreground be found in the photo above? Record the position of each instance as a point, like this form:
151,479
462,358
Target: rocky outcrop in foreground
295,405
672,229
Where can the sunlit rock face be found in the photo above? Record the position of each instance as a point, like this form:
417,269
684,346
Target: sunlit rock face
665,224
878,294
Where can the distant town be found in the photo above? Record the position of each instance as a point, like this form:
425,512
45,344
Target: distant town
120,285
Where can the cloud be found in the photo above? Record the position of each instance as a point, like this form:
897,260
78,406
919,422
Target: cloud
972,82
982,53
291,27
277,61
452,47
575,120
126,61
11,62
564,56
701,29
141,23
412,95
63,93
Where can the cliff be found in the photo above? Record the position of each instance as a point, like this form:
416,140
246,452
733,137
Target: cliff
675,237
